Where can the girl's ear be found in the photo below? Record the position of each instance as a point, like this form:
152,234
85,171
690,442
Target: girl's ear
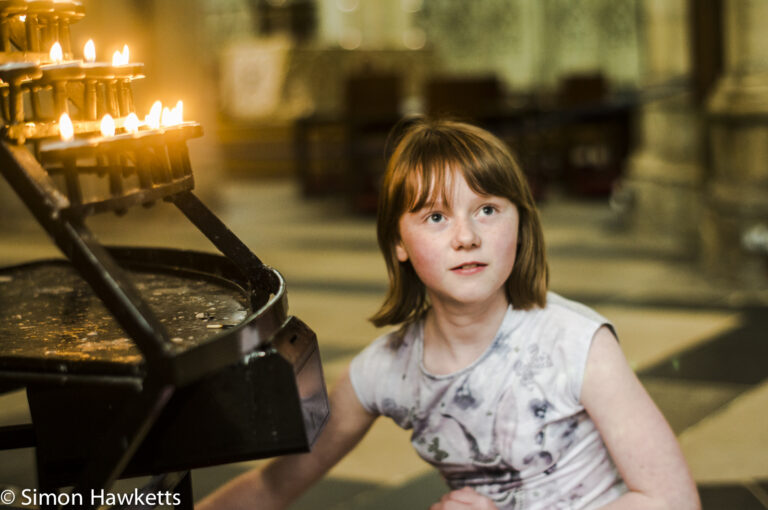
402,255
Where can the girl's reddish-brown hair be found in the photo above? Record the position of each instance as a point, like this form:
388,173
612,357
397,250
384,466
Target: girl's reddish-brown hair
425,151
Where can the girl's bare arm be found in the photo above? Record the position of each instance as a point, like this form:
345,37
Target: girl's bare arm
286,478
635,432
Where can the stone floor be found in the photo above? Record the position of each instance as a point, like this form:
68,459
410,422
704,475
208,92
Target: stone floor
699,347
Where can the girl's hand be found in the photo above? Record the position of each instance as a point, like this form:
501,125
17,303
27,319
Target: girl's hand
464,499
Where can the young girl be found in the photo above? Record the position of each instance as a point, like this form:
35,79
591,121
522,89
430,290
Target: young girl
519,397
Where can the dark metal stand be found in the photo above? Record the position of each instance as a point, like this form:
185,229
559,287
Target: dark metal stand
131,401
141,399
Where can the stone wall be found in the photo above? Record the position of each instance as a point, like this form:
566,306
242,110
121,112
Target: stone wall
664,178
737,192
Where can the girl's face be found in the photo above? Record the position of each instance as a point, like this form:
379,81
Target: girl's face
463,251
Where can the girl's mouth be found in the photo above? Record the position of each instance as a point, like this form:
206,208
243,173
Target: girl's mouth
468,266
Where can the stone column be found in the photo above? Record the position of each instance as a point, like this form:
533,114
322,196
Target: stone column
661,193
736,214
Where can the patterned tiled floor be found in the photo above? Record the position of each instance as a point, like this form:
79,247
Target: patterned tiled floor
702,358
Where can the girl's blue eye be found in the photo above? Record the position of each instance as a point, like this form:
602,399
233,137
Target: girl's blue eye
435,218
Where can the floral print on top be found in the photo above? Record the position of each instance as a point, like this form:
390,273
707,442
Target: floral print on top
510,425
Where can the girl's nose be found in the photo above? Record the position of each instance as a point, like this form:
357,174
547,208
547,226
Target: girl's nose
465,235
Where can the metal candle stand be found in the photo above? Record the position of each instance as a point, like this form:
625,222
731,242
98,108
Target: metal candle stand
180,391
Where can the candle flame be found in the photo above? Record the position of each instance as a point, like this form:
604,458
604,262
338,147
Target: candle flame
108,125
153,118
166,119
23,18
173,116
131,124
121,58
66,130
57,54
89,51
179,109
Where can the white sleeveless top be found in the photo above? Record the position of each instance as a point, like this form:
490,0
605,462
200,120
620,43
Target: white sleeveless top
510,425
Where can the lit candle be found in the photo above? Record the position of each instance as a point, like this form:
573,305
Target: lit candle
107,126
56,54
173,116
166,119
153,118
66,129
131,123
121,58
179,112
89,51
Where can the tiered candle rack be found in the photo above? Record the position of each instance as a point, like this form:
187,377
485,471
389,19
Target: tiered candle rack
151,406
